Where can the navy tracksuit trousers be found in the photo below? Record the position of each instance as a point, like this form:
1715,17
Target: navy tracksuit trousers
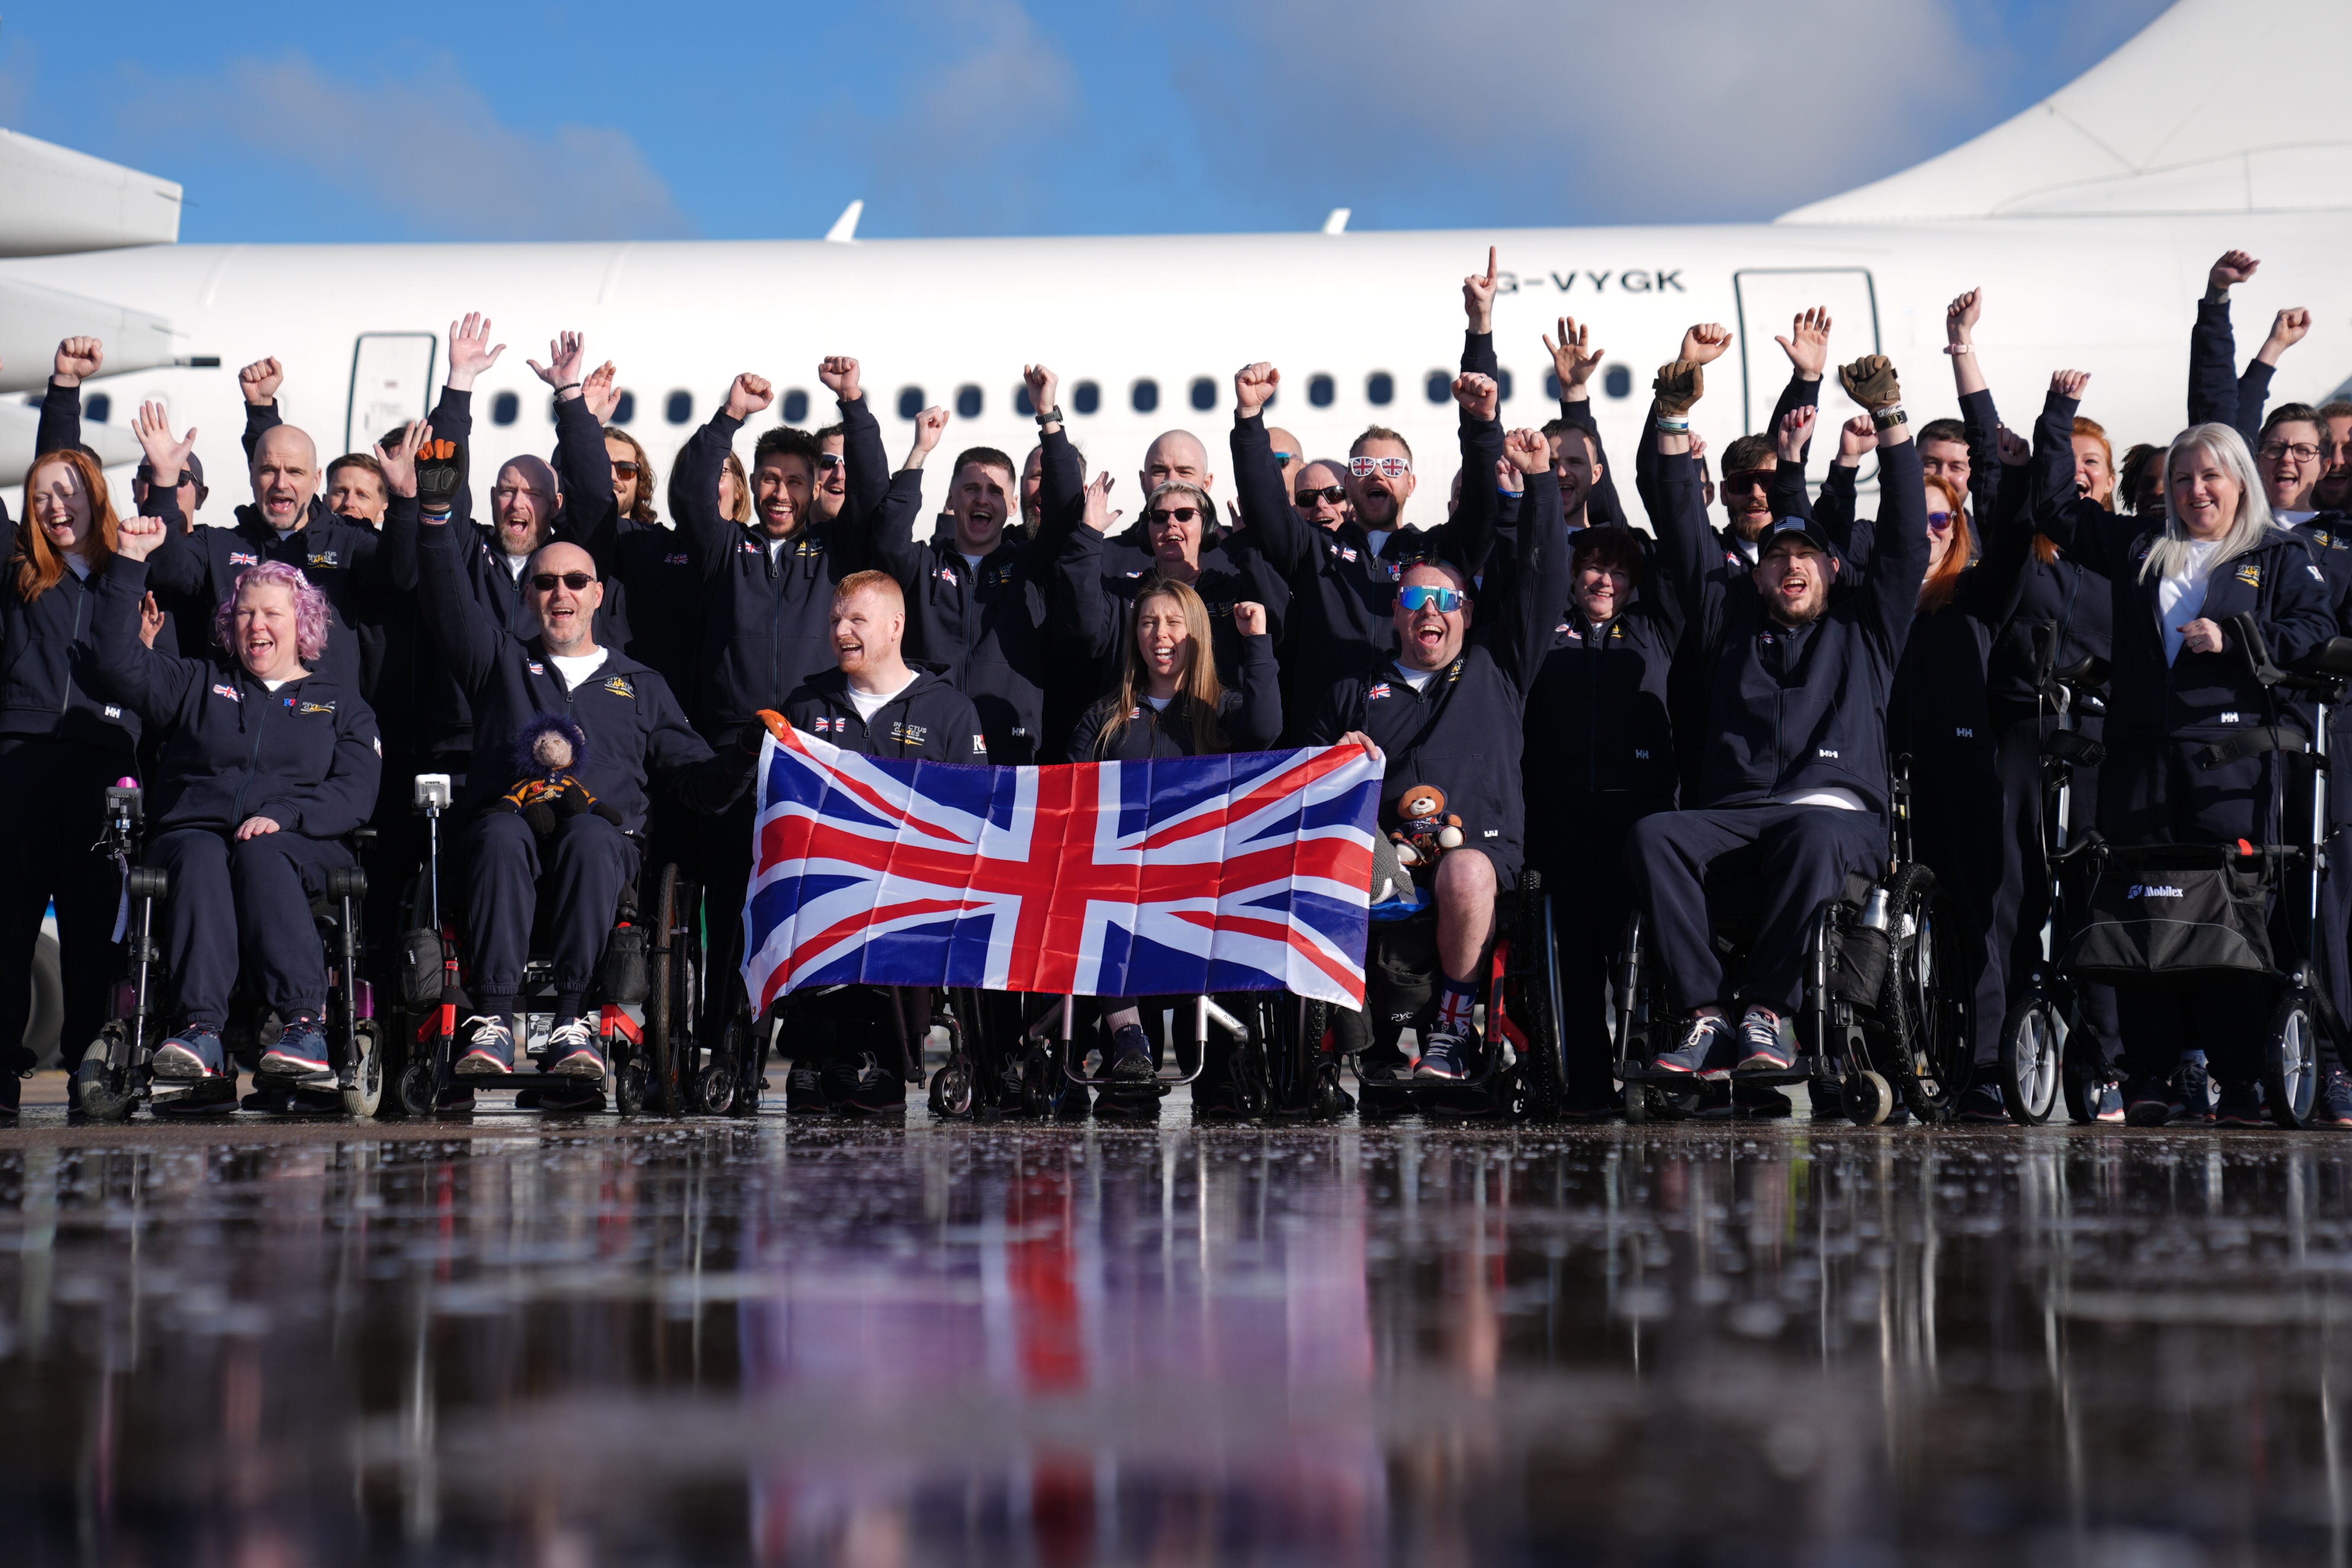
254,896
591,861
53,800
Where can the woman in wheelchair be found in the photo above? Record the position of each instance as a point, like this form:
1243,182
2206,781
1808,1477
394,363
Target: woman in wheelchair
263,767
1170,703
2194,742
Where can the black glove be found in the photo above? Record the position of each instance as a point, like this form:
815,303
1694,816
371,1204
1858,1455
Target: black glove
440,475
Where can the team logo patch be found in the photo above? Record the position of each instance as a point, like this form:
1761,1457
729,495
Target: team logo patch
324,558
619,685
231,692
979,745
2250,574
1346,554
1378,690
239,558
749,548
909,734
316,708
112,711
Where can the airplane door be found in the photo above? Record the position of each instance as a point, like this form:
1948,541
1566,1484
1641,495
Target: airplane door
1770,299
392,378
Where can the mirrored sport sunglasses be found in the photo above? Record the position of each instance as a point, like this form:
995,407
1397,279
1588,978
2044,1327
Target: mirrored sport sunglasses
545,582
1423,595
1387,467
1937,521
1334,494
1164,515
830,459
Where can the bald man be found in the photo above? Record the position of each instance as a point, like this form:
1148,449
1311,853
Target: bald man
1287,453
627,732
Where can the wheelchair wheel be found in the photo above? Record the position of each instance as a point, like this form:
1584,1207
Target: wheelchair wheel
1534,1003
673,994
366,1093
1868,1099
1921,1003
2291,1061
106,1094
2033,1063
715,1088
1637,1103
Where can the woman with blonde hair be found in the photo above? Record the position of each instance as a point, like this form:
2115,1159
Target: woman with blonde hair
1167,702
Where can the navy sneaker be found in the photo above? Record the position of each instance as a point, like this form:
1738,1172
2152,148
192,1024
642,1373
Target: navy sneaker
875,1088
1703,1053
2240,1105
2107,1102
2150,1101
1131,1056
1760,1049
190,1053
301,1051
2196,1088
1445,1057
490,1050
572,1051
804,1093
1981,1103
2331,1105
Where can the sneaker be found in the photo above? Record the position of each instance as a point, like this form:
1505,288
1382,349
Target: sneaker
2240,1105
804,1090
191,1053
2106,1102
1829,1104
1760,1049
1219,1101
875,1088
1443,1057
491,1050
1131,1056
1330,1099
1382,1072
2332,1106
572,1051
1704,1043
2196,1088
1981,1103
2150,1101
301,1051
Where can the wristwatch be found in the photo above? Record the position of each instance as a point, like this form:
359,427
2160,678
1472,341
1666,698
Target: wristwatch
1884,418
1049,416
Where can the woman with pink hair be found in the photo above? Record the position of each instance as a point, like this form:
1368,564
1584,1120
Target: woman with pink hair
262,767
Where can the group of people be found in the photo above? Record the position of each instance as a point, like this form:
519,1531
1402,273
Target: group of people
1644,717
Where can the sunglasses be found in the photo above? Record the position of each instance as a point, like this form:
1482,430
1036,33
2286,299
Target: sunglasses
1334,494
829,459
1283,457
1387,467
1420,596
627,470
1937,521
545,582
1175,514
1749,481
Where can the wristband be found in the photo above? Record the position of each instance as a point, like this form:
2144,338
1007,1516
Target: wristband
1669,426
1049,416
1884,418
568,386
1959,348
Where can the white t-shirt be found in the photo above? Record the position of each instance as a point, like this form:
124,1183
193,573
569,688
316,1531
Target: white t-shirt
273,685
1416,679
2181,599
1836,796
2290,519
869,703
1159,705
579,667
971,563
78,567
514,565
285,534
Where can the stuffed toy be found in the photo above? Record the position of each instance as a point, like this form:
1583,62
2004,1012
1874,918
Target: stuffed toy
1426,829
547,791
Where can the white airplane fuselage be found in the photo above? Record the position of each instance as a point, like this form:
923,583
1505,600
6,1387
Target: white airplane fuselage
361,329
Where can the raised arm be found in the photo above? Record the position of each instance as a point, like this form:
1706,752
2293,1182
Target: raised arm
1091,611
468,640
1531,601
2212,348
2288,327
153,685
1468,536
258,384
1808,348
1478,333
2087,532
1702,344
1574,359
1891,596
1688,551
866,468
591,509
889,543
1258,719
1787,492
709,534
78,360
1281,537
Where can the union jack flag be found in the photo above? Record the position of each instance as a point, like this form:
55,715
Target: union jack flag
1246,872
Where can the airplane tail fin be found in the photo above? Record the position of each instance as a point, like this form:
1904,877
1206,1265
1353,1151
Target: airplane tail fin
2217,106
55,200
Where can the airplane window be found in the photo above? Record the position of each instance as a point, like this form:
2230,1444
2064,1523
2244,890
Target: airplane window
1204,393
1021,403
1380,389
96,407
1439,386
504,407
796,406
1502,384
679,408
1619,381
1144,394
1319,390
1086,398
966,402
1551,384
624,408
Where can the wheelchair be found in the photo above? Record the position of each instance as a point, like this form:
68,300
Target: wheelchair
1885,1009
643,998
117,1072
1518,1057
2264,918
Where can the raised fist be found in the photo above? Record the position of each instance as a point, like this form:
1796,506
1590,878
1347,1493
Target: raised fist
1677,386
747,395
1856,437
78,360
1044,387
839,374
1249,618
2235,267
1704,344
1796,429
1254,388
930,426
2015,451
2069,384
1960,316
139,537
1477,395
440,477
259,382
1527,451
2290,326
1870,381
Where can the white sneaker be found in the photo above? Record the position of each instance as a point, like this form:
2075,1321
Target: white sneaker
572,1051
492,1052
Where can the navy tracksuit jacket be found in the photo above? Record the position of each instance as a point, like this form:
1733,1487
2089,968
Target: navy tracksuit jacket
1249,717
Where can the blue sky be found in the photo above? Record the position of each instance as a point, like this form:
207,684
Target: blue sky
326,122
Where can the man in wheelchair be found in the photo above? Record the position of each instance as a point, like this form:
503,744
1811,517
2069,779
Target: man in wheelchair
263,766
1792,792
1445,713
875,703
580,729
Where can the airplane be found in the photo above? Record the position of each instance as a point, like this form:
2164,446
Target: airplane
2089,220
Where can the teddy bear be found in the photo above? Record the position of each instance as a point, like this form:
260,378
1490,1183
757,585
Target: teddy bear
1426,828
545,752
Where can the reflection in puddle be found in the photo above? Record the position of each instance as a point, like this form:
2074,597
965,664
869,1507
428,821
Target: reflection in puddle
780,1345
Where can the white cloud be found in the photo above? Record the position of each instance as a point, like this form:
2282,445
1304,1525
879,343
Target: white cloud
429,151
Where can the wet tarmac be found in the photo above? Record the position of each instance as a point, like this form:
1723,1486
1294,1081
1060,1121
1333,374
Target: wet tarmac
523,1341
